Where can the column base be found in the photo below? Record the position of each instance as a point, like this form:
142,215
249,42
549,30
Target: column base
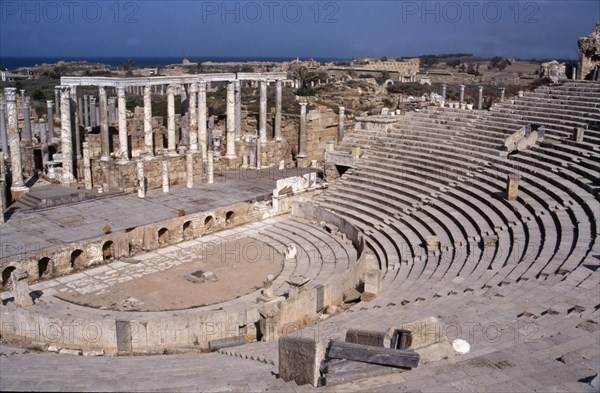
149,158
123,162
105,158
19,189
301,155
172,154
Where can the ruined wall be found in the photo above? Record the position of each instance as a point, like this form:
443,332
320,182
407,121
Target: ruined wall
589,54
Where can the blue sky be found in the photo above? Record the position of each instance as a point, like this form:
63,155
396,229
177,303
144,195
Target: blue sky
342,28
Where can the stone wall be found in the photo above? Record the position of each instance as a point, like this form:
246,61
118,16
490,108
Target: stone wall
589,54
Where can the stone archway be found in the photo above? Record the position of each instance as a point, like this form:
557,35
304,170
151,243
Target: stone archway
6,280
229,217
108,250
163,236
188,230
77,260
44,267
209,223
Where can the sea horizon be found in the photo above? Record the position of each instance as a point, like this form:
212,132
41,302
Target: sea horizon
14,62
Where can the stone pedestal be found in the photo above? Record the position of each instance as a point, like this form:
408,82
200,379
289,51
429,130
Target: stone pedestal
21,288
462,93
300,359
443,92
480,98
356,152
372,285
578,133
502,93
512,187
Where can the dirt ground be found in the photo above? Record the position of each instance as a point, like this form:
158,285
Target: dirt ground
237,274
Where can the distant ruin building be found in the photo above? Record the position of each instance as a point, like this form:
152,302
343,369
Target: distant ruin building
589,55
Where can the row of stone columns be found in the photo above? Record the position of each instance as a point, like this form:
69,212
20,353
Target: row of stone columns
479,98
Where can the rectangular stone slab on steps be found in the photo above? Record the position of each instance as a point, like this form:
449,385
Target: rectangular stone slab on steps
374,355
300,360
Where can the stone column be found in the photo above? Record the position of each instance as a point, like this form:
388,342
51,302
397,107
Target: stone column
210,168
92,112
140,178
502,92
66,136
578,134
75,122
87,166
165,176
238,109
512,187
3,134
189,169
258,155
230,121
148,134
278,100
104,130
80,112
50,120
302,134
184,123
462,93
86,111
2,201
44,142
112,110
172,144
341,127
574,73
57,101
26,121
480,98
444,92
262,128
202,135
21,289
193,116
10,94
123,143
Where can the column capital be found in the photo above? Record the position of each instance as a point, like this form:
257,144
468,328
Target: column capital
342,110
304,104
92,99
121,91
171,89
279,83
49,103
65,91
10,93
193,87
112,99
73,89
147,89
22,92
101,90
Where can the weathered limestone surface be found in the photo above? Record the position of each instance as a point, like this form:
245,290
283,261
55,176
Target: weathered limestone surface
300,359
589,54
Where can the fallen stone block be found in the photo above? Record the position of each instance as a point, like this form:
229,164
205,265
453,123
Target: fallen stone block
300,360
374,355
228,342
38,346
371,338
338,371
95,352
73,352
